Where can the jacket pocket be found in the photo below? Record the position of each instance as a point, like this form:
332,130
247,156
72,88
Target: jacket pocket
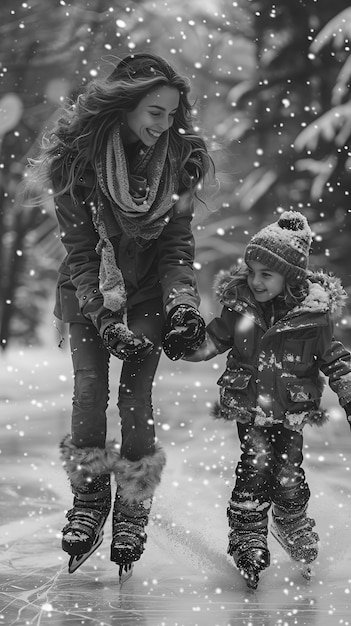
298,354
304,393
235,379
234,396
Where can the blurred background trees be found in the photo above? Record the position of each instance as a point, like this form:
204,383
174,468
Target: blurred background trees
271,91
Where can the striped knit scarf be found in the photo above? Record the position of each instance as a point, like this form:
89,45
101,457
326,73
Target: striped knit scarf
135,199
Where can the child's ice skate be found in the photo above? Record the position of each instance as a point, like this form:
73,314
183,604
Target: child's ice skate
248,539
295,535
251,563
250,552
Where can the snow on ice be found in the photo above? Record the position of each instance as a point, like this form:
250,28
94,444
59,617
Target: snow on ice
185,577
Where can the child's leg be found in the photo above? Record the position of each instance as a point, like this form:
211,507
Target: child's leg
249,505
290,495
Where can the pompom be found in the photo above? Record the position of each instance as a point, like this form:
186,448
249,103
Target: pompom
292,220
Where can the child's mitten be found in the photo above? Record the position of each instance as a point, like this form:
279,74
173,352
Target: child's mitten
183,332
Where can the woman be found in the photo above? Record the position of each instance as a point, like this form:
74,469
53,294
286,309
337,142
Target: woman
125,163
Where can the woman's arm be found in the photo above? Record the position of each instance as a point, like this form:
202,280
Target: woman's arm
79,238
335,363
176,249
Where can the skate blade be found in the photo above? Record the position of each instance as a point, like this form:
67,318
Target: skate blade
306,572
125,572
76,561
251,578
251,583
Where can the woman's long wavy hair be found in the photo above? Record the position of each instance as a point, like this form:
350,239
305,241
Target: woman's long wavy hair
80,134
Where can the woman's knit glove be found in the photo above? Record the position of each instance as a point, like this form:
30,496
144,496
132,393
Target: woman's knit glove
125,345
183,332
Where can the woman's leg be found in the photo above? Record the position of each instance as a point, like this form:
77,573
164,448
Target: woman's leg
90,399
85,456
250,502
142,460
136,382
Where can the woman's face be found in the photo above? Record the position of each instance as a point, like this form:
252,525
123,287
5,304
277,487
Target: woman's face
153,115
264,283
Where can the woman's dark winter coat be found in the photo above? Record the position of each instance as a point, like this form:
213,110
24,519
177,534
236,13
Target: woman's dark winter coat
273,371
161,267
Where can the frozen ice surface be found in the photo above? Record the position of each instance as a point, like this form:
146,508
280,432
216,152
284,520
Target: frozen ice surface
184,577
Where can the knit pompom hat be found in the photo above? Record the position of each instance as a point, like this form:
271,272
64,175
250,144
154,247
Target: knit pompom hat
283,246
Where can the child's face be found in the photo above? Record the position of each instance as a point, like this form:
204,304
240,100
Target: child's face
153,115
264,283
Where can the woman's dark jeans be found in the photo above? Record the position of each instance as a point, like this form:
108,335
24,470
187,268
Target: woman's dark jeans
91,385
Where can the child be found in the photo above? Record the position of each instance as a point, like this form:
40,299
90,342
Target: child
277,323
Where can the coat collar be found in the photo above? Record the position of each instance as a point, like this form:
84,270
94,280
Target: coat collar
325,292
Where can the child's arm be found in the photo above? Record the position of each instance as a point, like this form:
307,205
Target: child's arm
218,338
206,351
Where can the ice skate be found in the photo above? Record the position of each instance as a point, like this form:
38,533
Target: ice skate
251,555
248,541
84,532
295,535
250,565
128,534
88,470
136,484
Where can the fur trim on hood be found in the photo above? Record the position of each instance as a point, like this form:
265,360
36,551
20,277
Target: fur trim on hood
235,276
326,292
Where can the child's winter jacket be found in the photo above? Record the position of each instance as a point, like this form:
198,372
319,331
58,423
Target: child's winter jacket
273,373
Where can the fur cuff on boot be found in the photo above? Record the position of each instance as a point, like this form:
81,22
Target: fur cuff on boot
137,480
82,464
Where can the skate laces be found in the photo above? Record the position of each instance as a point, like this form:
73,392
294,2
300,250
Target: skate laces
243,540
83,522
128,535
128,543
297,530
298,538
250,550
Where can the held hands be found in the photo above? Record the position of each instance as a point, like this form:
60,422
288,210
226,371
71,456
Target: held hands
183,332
125,345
